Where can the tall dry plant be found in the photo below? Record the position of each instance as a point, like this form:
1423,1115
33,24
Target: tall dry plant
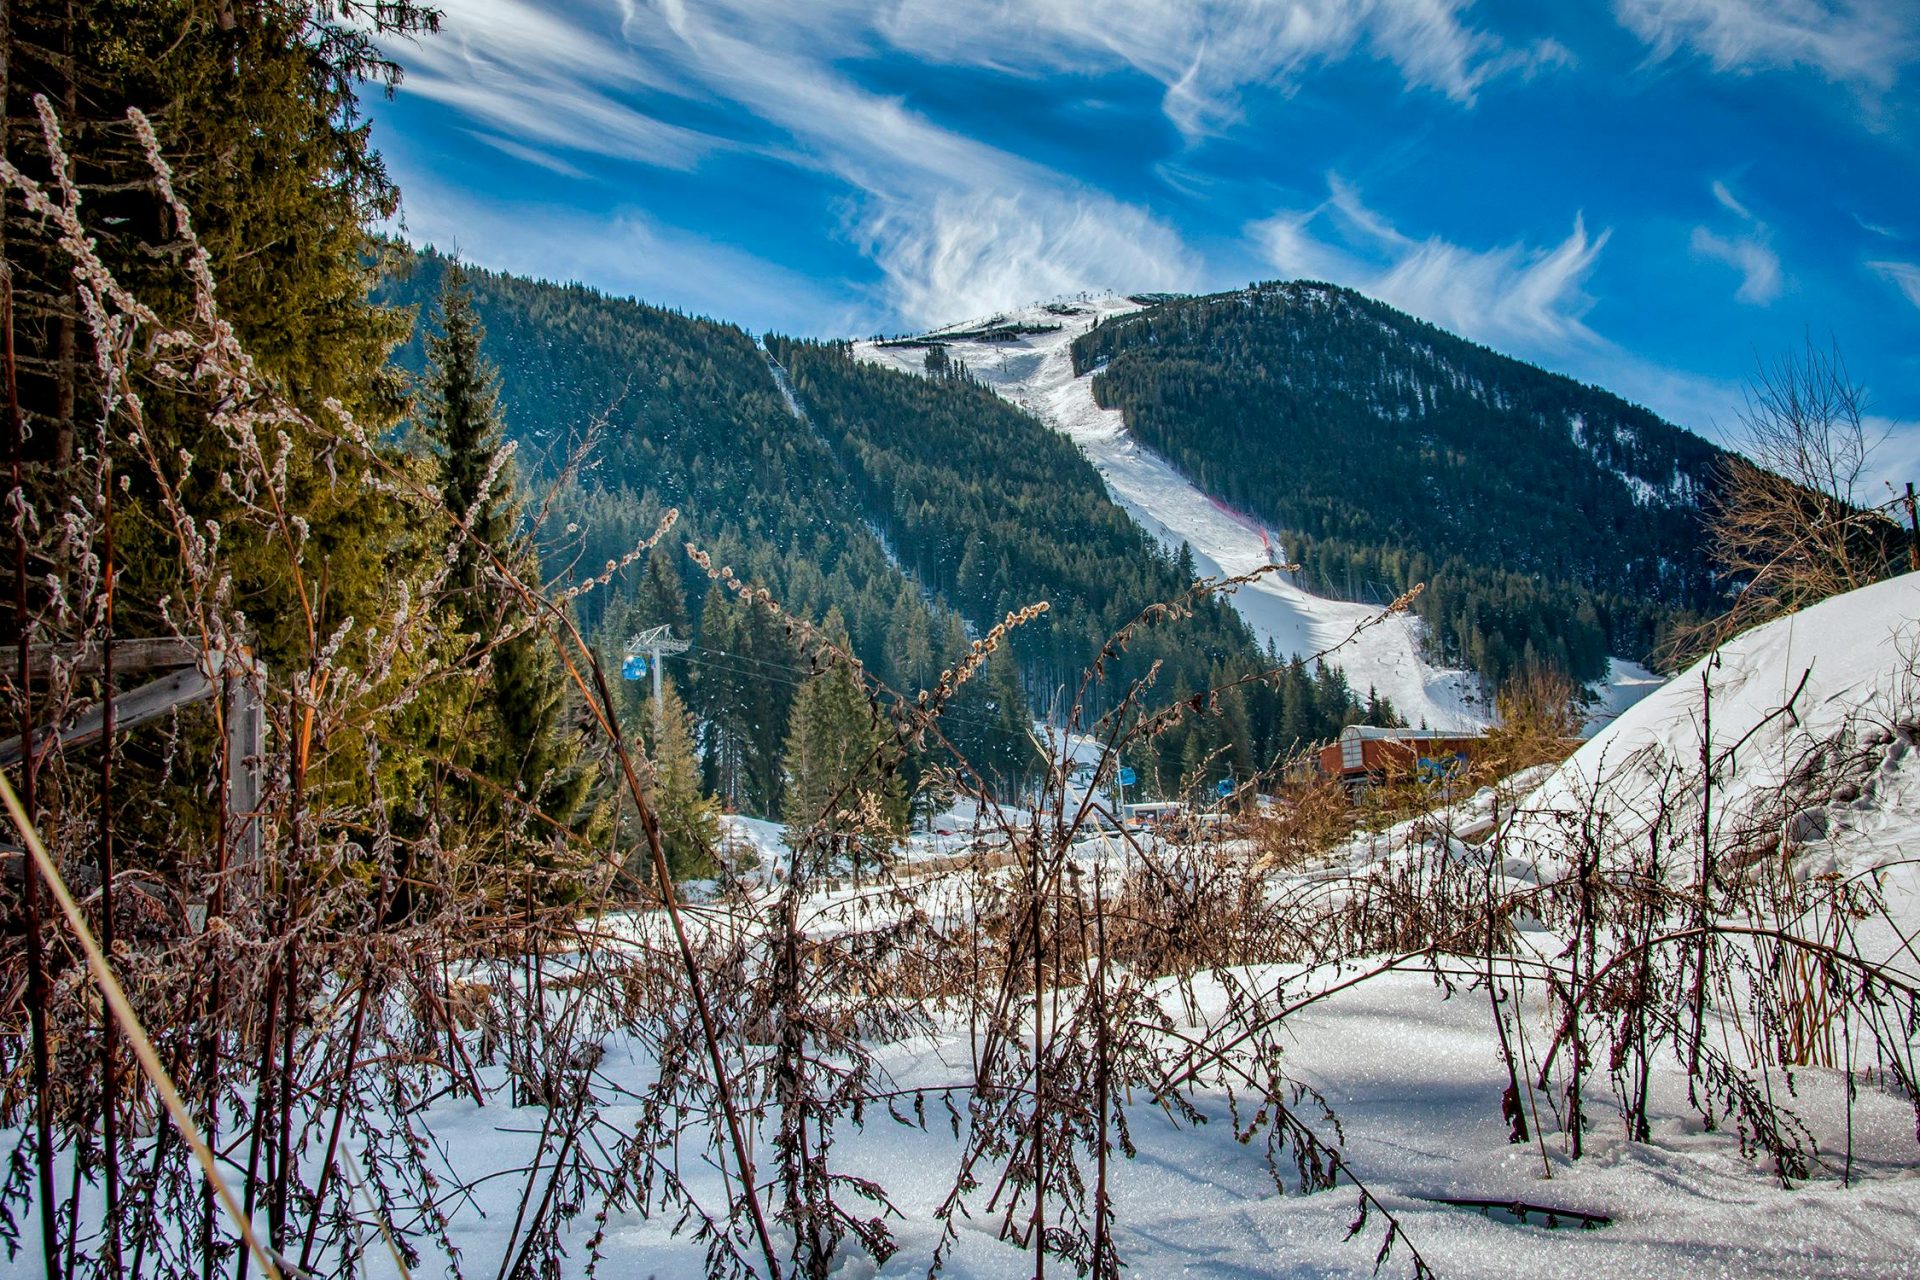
266,948
313,1025
709,1064
1539,714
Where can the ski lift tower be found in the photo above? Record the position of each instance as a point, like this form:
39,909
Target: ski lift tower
653,643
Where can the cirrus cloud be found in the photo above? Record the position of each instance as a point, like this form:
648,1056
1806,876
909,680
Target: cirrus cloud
1513,293
950,221
1904,275
967,255
1206,53
1847,42
1750,251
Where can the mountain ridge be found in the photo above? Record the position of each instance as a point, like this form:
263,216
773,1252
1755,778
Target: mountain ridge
691,414
1391,450
924,509
1020,352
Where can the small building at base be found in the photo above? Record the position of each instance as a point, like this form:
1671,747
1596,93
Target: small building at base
1365,754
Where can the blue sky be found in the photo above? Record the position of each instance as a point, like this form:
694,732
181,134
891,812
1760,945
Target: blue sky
1651,194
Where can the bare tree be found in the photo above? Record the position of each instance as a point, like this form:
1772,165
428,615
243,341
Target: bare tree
1788,522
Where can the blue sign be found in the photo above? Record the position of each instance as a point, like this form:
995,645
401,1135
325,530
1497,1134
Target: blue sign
634,668
1223,788
1127,776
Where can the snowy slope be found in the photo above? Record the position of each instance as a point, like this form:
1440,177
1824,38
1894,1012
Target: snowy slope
1827,699
1408,1064
1035,371
1415,1084
1625,684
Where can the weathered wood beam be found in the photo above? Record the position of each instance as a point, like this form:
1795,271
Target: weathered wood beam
130,710
128,655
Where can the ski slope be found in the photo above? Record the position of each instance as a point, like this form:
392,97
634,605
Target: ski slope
1035,371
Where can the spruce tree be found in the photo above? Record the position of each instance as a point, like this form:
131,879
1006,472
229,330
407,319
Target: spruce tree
844,804
767,655
721,698
529,752
461,419
910,643
662,601
689,817
256,112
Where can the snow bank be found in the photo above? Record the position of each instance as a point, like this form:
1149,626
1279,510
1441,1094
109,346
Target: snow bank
1826,696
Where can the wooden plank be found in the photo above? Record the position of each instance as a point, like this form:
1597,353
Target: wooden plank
128,656
246,748
130,709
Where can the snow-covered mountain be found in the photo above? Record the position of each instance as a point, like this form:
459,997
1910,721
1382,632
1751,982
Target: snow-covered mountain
1026,356
924,509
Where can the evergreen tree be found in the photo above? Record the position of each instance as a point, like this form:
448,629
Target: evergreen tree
910,644
689,817
256,112
698,425
988,724
770,661
461,419
723,696
1395,453
661,600
1298,723
530,751
844,804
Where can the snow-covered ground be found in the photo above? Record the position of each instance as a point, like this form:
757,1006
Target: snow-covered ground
1409,1065
1411,1070
1624,685
959,828
1035,371
766,840
1416,1087
1811,720
1838,682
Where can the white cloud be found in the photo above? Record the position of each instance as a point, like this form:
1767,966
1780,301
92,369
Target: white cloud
527,73
949,221
1513,294
536,35
953,224
1520,298
1750,252
1864,44
1731,203
529,155
1758,265
1206,52
1905,275
973,254
567,117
